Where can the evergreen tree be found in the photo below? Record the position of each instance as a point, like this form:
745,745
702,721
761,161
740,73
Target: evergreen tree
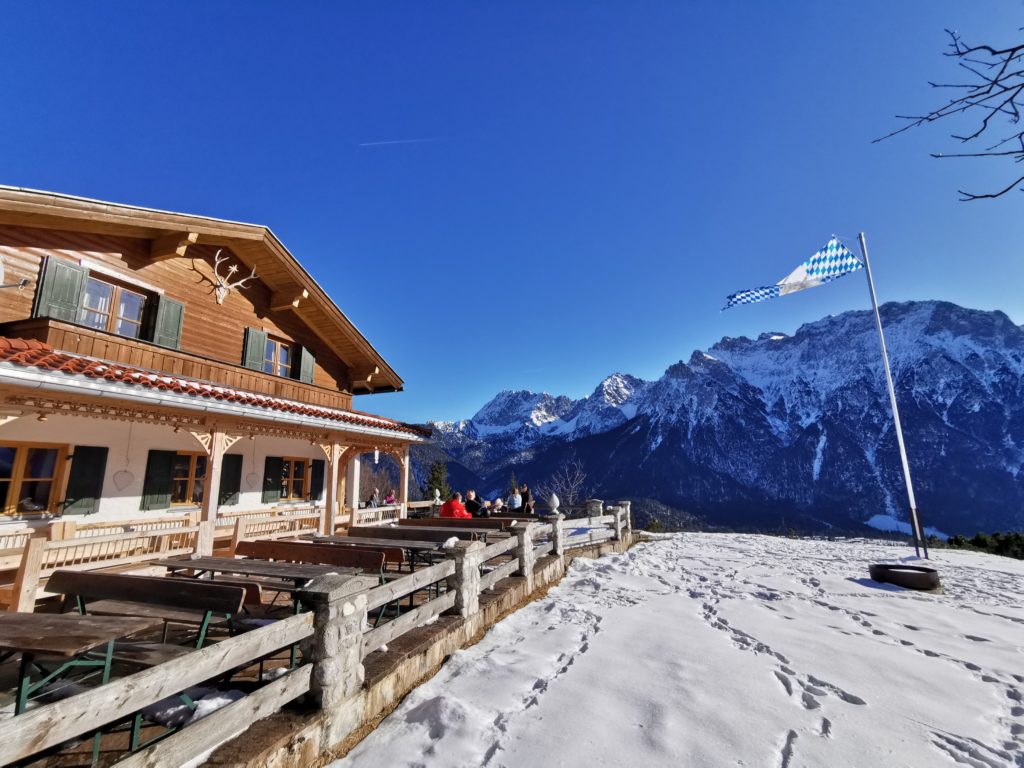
437,478
513,484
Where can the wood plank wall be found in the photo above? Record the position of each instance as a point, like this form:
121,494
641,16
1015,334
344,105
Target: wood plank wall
210,330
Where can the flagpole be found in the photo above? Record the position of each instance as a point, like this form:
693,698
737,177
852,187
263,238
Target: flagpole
914,520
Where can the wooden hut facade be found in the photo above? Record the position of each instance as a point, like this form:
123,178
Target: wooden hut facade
155,362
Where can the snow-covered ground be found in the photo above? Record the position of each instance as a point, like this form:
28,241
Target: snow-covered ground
719,650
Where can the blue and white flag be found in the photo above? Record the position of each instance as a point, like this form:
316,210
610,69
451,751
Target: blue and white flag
832,261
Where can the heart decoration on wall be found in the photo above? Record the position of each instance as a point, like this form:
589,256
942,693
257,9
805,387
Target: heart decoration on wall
122,479
251,479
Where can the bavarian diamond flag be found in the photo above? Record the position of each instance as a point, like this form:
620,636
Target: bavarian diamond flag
832,261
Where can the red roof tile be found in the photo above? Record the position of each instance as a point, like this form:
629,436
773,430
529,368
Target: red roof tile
36,354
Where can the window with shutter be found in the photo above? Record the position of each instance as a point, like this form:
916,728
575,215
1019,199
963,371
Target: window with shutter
255,347
85,481
159,481
230,479
167,322
316,480
272,468
303,366
60,290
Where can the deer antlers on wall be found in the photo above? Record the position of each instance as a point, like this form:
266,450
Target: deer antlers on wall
222,286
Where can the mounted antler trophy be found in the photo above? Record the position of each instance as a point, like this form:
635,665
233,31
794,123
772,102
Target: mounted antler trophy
222,286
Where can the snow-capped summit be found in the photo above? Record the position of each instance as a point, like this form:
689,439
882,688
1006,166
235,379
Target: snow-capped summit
754,431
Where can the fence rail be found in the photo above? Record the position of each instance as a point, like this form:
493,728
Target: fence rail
335,636
52,724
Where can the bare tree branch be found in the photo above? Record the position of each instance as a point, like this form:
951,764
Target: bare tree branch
995,90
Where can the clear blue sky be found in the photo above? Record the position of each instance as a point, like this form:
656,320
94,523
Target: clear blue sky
592,180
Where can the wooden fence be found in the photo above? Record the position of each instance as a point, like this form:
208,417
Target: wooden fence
335,636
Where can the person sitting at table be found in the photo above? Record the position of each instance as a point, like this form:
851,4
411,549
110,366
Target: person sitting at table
374,500
454,507
498,507
515,501
390,498
473,505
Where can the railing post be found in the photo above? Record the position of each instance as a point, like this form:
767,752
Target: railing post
557,535
524,553
628,518
204,538
616,514
465,582
336,647
594,508
435,509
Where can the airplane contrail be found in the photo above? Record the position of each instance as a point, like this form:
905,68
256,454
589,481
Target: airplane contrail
399,141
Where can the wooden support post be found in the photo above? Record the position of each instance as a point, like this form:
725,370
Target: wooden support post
524,553
331,495
465,582
204,538
336,648
352,486
27,581
403,499
238,534
557,535
211,485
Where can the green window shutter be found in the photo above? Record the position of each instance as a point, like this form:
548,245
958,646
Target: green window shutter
60,290
159,481
230,479
255,349
272,479
167,320
303,366
316,480
85,479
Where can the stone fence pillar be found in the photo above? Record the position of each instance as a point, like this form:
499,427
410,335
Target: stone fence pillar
524,552
625,504
595,508
336,647
465,582
617,523
557,535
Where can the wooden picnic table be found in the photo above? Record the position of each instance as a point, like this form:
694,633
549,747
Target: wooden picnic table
424,550
297,573
436,533
66,636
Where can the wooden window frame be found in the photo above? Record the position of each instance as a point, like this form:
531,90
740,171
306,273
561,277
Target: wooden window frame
21,449
118,288
190,479
275,361
286,490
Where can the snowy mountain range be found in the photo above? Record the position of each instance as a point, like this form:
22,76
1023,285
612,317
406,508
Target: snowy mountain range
790,431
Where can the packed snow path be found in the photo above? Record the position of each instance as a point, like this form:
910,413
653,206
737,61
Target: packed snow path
717,650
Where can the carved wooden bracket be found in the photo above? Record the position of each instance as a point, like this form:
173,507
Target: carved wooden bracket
172,245
288,299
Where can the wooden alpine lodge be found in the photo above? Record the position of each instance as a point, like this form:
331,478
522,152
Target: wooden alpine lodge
157,364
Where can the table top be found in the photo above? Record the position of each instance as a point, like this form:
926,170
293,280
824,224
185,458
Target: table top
451,530
66,634
371,543
253,567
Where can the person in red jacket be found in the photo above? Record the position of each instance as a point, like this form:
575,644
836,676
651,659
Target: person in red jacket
454,507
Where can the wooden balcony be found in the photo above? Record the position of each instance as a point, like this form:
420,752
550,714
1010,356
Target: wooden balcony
77,340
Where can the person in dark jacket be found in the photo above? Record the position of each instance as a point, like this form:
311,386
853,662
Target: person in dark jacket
473,505
524,491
